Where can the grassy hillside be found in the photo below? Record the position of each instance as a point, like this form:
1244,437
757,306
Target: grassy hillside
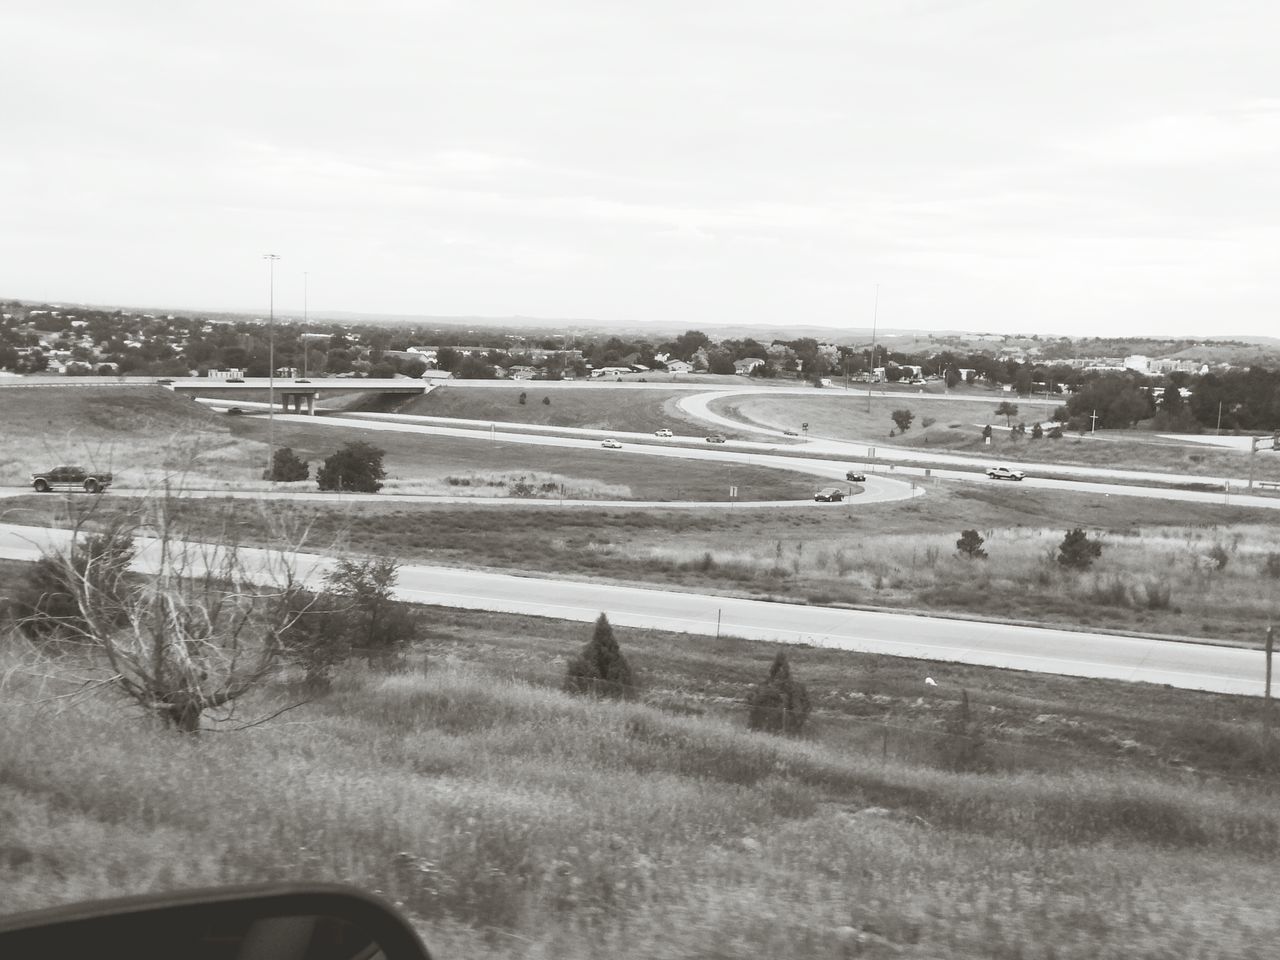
512,821
135,431
642,411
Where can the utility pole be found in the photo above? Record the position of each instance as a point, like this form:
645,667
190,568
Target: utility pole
304,325
1253,455
1093,422
1218,432
871,371
271,259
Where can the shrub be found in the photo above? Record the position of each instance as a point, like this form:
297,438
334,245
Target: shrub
1219,556
286,467
1158,594
1112,591
546,401
1077,551
523,398
928,422
1037,432
46,604
903,419
600,669
986,432
360,596
1055,433
970,545
356,467
1271,565
780,704
315,638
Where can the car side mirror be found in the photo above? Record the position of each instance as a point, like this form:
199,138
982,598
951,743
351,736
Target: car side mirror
272,922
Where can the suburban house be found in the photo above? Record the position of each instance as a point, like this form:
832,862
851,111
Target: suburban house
436,375
679,366
746,365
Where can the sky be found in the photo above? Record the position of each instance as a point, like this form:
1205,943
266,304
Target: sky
1093,167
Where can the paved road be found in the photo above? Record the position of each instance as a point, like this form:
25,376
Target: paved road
1179,664
782,456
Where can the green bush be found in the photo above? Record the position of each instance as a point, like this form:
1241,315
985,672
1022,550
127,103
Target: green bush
355,467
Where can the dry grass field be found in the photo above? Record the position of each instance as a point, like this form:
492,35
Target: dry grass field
511,821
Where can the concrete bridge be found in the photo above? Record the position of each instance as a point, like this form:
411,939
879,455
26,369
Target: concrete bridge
299,395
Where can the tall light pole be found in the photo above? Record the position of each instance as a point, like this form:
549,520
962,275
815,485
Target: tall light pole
271,259
303,338
871,373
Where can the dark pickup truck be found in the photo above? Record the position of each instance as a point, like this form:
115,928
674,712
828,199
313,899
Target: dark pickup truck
69,478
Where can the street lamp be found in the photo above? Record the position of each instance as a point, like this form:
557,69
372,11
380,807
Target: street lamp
303,336
271,259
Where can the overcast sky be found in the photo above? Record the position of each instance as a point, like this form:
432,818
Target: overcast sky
1079,166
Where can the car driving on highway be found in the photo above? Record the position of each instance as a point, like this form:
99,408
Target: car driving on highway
715,438
1005,473
68,477
611,444
664,432
856,476
829,495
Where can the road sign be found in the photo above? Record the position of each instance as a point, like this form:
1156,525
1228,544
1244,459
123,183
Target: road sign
733,492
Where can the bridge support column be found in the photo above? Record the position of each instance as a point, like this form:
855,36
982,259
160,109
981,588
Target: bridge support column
311,405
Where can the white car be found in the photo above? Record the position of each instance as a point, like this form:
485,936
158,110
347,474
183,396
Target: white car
611,444
1005,473
664,432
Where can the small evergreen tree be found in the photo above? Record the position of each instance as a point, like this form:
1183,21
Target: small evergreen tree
964,747
546,401
780,704
970,545
356,466
986,432
1037,432
1077,551
286,467
600,669
524,398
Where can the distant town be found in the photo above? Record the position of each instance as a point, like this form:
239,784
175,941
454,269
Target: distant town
1131,380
